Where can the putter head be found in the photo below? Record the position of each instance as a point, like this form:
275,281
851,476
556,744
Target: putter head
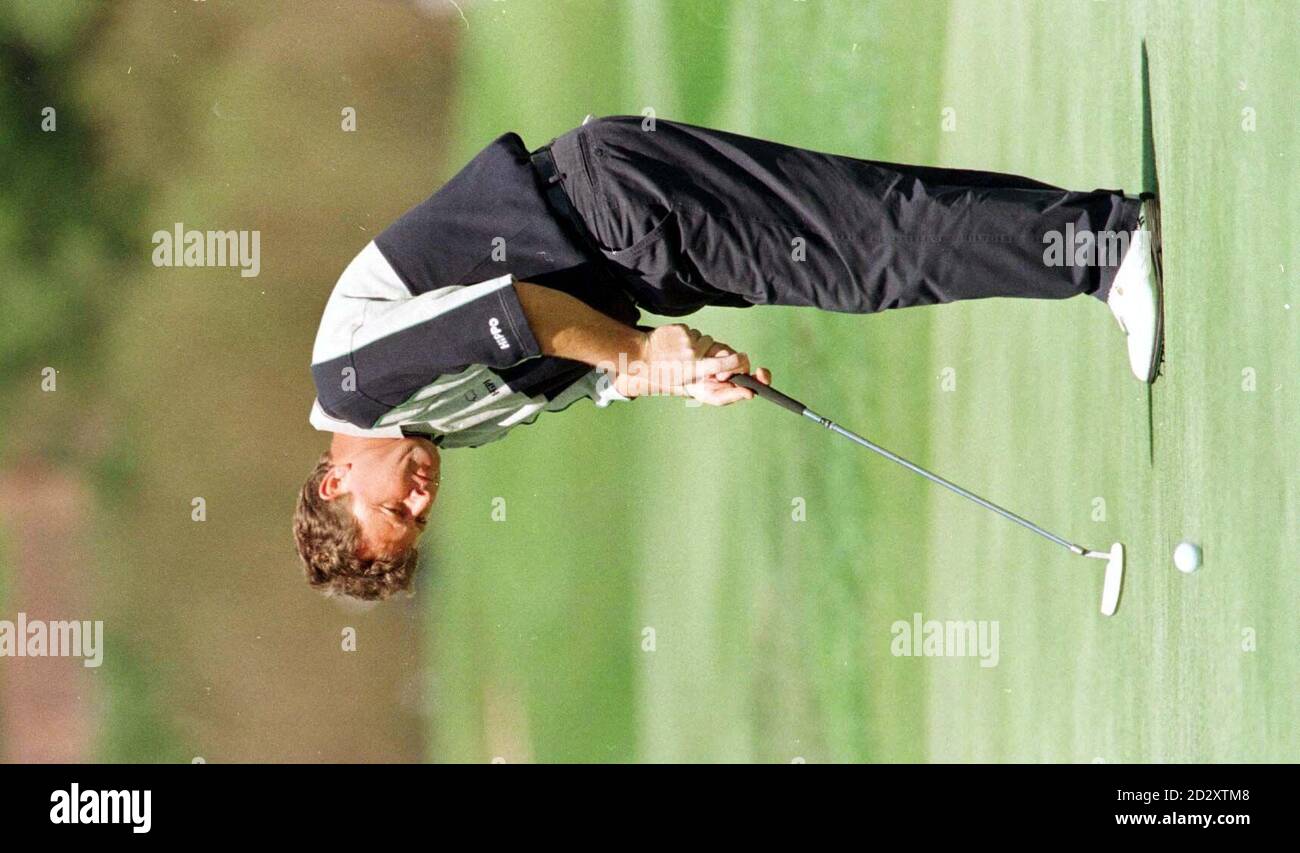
1114,580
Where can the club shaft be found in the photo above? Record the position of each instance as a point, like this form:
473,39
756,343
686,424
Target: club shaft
935,478
767,392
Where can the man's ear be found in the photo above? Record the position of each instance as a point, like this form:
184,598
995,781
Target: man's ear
331,485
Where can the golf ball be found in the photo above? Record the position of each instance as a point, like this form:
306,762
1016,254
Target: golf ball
1187,557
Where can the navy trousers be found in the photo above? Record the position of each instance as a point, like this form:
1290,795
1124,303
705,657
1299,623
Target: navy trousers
688,216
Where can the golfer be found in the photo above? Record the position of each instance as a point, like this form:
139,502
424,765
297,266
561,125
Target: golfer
516,289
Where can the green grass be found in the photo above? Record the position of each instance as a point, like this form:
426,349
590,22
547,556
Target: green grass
772,636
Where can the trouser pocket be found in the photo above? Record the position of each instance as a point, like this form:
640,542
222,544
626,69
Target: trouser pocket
657,271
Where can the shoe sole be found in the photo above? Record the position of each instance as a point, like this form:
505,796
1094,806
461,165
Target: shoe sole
1157,258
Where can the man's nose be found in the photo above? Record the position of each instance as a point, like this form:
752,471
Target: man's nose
418,500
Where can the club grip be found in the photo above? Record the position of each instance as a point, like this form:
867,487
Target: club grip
744,380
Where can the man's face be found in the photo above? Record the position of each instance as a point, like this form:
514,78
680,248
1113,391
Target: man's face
391,487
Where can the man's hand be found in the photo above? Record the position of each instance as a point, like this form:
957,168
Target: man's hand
674,359
678,360
716,390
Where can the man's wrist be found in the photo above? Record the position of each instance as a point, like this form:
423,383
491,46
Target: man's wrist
628,368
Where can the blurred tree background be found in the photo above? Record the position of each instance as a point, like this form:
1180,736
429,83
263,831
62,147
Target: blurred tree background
177,384
64,226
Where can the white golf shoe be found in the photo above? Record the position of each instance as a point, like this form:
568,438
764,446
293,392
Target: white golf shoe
1135,296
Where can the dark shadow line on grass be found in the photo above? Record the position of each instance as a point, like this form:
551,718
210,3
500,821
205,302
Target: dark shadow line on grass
1150,179
1151,428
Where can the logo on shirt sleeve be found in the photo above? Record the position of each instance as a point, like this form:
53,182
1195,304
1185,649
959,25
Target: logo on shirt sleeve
494,326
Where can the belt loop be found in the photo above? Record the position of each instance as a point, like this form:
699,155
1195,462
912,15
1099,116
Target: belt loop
544,161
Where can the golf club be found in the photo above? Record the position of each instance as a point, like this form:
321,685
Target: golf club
1114,558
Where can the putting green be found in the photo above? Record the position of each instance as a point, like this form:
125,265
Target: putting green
659,582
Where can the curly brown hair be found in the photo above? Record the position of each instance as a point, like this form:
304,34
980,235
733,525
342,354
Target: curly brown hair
327,535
